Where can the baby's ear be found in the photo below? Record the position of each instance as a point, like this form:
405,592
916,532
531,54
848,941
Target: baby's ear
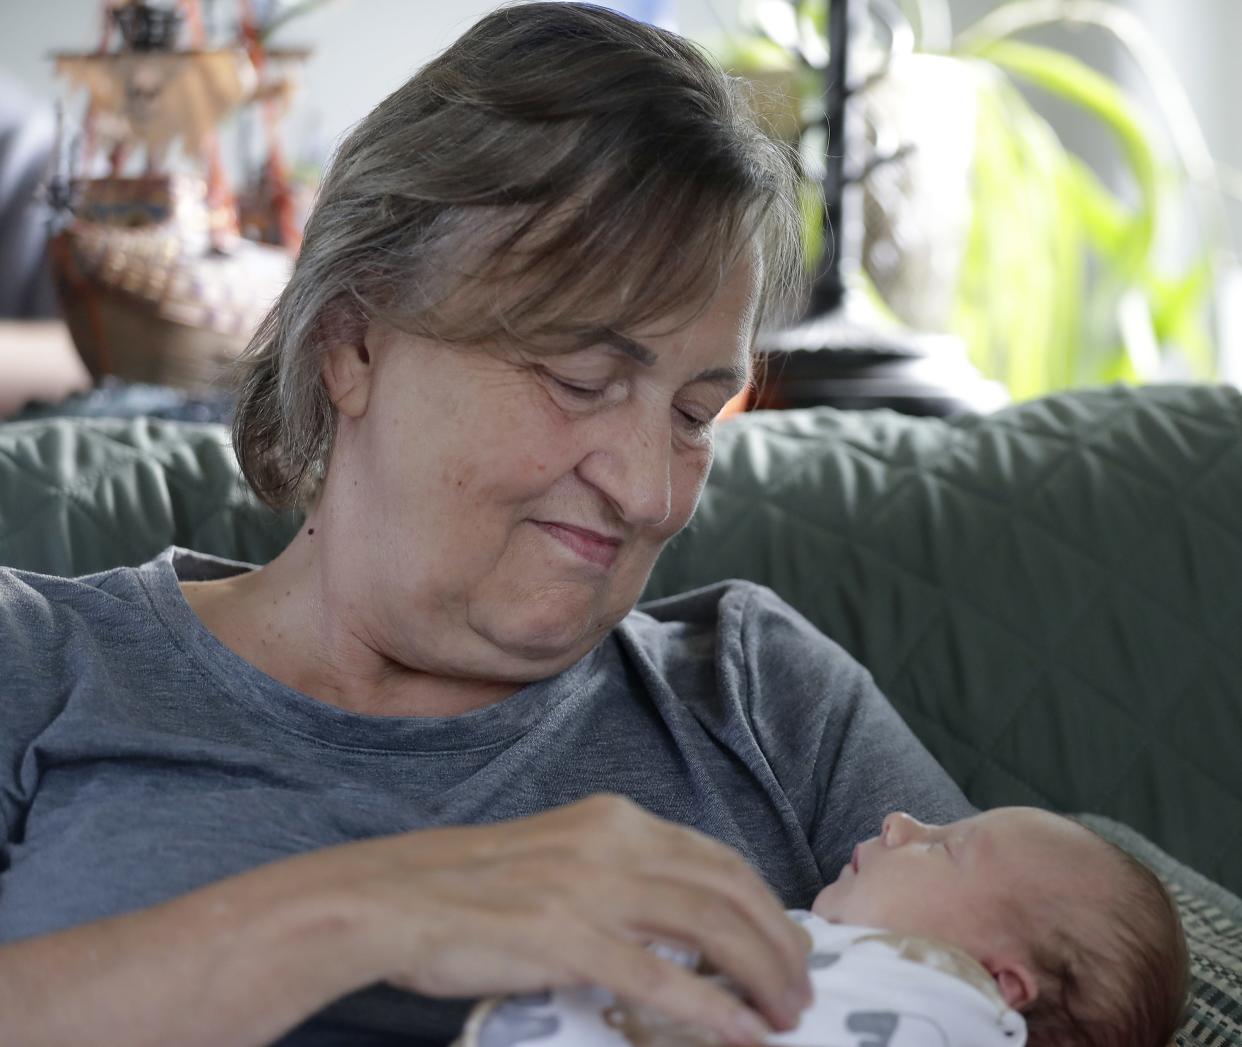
1016,981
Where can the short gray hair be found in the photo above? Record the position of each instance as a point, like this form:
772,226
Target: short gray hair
558,169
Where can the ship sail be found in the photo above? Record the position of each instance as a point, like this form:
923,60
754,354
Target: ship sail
156,284
154,98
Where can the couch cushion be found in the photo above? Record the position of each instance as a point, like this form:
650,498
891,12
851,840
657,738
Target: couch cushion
1212,920
1051,595
78,496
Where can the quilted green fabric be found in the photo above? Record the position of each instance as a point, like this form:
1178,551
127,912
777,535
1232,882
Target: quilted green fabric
1051,595
78,496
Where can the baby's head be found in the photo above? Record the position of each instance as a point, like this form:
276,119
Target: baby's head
1080,937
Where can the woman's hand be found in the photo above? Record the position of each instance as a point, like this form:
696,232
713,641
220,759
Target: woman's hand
568,897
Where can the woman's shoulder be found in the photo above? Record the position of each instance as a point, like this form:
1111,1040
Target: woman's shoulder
40,612
31,601
52,632
34,598
736,650
743,616
733,598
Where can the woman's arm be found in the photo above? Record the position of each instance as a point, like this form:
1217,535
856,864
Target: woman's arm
238,962
563,898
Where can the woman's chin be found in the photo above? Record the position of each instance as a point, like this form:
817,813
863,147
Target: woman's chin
551,630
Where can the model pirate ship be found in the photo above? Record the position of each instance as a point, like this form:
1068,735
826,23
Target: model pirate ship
157,282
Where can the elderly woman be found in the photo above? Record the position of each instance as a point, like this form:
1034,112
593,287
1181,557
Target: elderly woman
431,751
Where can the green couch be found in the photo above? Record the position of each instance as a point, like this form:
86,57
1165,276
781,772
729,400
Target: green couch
1051,595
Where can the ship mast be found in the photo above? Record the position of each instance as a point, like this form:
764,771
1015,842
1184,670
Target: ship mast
221,203
148,92
289,235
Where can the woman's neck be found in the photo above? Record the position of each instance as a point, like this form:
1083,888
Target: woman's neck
281,619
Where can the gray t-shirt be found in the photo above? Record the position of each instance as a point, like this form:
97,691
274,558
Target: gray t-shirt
140,758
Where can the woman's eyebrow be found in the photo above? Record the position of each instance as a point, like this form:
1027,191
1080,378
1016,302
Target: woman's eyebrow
734,377
634,350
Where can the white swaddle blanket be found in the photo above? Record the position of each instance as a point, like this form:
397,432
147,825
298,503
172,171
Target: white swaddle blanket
872,988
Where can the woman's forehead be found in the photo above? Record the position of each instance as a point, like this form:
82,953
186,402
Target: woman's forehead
720,326
535,287
726,317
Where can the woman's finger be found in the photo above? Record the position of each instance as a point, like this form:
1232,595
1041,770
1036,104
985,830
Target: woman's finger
640,977
621,833
706,865
662,909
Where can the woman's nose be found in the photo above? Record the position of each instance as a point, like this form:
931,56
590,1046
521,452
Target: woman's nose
634,474
900,828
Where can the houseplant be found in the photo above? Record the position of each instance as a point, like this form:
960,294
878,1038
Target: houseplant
981,221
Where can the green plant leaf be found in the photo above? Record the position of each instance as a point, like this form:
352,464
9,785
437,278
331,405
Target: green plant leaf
754,54
1178,308
816,12
1051,250
1076,82
1106,221
1021,275
811,201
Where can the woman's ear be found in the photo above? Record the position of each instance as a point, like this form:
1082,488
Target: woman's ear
1016,981
347,372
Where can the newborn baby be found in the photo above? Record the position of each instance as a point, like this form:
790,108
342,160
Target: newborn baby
1078,936
945,935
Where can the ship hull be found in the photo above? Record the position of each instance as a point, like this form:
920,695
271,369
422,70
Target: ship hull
145,295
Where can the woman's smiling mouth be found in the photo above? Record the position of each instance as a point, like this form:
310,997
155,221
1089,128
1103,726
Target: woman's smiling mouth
596,548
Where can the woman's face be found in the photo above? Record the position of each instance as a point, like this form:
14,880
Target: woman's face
496,514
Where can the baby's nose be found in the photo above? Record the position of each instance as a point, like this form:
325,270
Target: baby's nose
899,828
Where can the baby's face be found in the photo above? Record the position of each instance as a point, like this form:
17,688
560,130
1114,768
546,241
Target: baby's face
960,882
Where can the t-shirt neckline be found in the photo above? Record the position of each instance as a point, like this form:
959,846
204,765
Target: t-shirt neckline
486,727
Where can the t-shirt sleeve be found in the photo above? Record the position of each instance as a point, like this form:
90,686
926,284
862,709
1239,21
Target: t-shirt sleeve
842,754
34,640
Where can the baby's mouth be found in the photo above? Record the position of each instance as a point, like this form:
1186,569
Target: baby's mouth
854,859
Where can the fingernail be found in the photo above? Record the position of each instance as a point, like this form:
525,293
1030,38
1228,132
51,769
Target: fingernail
749,1027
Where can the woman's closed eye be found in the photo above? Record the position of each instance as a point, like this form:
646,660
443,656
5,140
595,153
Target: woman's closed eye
580,391
582,385
697,422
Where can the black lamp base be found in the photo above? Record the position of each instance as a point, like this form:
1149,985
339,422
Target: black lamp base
830,361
